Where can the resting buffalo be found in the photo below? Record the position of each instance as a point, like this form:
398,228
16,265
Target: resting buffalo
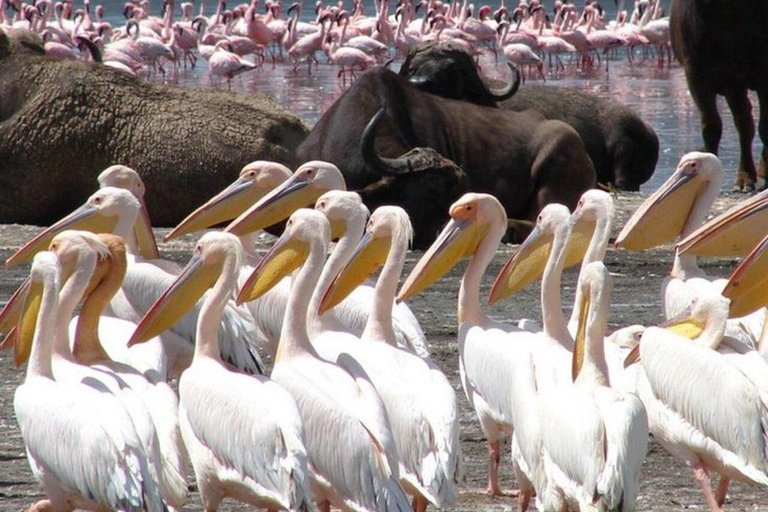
623,148
63,122
520,157
724,50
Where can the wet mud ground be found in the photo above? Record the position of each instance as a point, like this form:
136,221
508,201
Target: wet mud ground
666,485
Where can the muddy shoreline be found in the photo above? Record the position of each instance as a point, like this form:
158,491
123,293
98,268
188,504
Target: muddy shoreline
666,485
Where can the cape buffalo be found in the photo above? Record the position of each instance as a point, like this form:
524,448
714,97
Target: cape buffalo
724,50
623,148
520,157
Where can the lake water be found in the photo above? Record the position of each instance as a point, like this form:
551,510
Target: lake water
660,96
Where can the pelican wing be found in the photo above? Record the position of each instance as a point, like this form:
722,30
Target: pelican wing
84,441
251,425
626,435
716,398
343,453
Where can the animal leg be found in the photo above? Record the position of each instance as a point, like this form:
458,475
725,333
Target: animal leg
762,129
722,490
711,125
702,476
494,460
419,503
741,109
42,506
524,500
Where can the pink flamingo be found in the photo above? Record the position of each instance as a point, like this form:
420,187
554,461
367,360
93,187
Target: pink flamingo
347,57
551,45
308,45
256,24
225,63
365,44
520,54
58,50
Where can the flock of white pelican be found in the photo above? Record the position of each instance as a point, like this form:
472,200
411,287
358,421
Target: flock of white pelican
354,414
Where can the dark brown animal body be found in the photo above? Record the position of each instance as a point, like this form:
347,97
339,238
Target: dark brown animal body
723,47
623,148
520,157
63,122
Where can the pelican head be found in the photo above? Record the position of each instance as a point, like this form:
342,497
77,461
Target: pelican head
213,253
528,263
341,207
733,233
76,252
473,217
747,288
306,229
664,215
103,212
309,182
121,176
255,181
386,224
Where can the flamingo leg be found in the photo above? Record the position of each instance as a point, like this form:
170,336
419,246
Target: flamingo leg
702,476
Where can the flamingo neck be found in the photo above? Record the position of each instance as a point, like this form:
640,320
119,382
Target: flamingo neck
469,291
45,332
598,246
552,315
379,326
328,321
207,330
294,339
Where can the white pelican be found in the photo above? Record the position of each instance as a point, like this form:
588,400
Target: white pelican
590,228
255,180
733,233
116,210
244,433
156,395
307,184
345,424
594,438
487,352
420,401
704,410
121,176
679,207
80,442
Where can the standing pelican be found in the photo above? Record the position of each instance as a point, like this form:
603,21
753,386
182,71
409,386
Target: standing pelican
80,442
487,349
713,415
307,184
594,438
345,424
420,401
116,210
244,433
679,208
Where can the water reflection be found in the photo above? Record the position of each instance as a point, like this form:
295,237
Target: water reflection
660,96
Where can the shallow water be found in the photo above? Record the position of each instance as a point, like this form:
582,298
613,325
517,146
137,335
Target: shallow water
660,96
